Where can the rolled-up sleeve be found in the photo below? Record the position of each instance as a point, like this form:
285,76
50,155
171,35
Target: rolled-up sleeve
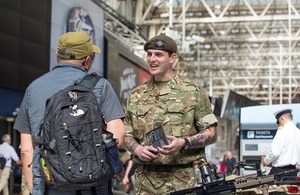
204,116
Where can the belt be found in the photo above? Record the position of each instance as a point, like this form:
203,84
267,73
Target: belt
166,168
286,167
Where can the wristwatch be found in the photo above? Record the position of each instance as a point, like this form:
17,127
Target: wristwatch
186,145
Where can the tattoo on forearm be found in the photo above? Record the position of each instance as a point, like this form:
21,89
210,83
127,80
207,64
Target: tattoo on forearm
214,138
200,140
130,144
203,139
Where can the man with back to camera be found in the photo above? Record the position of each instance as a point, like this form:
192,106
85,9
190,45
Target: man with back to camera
8,152
75,54
230,162
182,109
284,152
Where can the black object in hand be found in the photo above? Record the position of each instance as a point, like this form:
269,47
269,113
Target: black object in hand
157,137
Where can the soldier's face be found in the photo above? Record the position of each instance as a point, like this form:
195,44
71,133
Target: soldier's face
160,62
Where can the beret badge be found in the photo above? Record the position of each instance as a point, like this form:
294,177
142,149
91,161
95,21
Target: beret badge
159,43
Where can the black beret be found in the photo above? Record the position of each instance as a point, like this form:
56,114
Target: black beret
161,42
279,113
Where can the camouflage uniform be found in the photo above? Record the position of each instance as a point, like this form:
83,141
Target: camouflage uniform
184,110
24,187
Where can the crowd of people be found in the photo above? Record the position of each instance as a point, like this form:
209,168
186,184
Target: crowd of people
167,100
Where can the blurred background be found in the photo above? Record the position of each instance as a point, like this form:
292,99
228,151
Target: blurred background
245,53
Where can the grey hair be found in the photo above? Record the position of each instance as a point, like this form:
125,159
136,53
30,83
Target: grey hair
6,137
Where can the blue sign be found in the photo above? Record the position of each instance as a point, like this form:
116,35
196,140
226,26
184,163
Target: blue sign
258,134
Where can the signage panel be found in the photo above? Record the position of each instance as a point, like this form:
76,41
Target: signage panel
258,134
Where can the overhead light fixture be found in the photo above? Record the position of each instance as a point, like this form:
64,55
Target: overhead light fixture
194,38
207,46
198,38
164,15
217,10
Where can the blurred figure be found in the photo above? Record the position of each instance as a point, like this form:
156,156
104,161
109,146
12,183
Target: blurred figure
24,187
284,153
128,178
230,162
10,154
222,164
126,181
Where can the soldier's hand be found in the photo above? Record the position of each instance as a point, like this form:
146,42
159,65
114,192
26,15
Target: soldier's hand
146,153
174,146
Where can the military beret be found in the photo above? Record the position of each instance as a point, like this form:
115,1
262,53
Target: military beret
161,42
279,113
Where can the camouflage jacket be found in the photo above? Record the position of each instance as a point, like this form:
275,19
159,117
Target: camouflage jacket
180,106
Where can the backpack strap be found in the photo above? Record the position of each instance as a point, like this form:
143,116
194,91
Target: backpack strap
89,81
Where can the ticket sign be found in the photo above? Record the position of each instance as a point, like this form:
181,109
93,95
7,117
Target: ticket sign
258,134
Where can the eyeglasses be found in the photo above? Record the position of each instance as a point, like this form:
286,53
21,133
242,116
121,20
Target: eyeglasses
92,56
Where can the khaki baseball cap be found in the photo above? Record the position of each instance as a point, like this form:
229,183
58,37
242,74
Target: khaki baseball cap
76,45
161,42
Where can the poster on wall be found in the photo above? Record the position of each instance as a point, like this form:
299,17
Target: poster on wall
78,15
131,75
79,20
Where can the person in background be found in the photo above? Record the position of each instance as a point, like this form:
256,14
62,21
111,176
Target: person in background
128,178
230,162
222,164
24,187
178,107
75,54
284,153
8,152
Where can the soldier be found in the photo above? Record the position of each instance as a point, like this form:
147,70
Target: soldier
182,109
24,187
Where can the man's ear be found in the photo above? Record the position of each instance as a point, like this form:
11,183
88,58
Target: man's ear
86,63
173,58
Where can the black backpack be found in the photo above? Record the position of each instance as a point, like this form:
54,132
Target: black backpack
2,162
72,149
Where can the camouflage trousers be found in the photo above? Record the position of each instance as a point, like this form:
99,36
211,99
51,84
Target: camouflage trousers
24,188
162,183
